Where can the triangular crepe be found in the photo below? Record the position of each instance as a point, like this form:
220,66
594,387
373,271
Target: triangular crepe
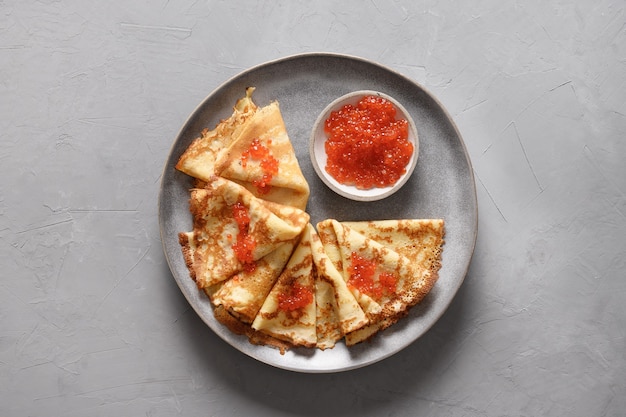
396,282
338,312
252,148
332,249
199,158
420,240
216,248
289,311
266,130
244,293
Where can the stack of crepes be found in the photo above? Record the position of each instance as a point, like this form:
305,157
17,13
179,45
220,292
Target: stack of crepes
268,272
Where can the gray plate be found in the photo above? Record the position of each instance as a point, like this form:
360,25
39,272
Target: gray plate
442,186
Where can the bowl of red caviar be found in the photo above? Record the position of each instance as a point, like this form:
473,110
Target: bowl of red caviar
364,145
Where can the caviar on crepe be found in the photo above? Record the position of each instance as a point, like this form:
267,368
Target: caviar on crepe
245,243
297,297
269,164
362,274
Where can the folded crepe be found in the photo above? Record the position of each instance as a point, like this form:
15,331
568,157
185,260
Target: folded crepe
243,294
233,229
338,312
420,240
252,148
200,157
386,278
289,311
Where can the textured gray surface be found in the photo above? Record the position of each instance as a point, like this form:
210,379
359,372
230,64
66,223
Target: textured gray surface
92,96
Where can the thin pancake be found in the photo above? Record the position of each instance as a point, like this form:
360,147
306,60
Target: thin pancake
225,151
420,240
338,312
289,311
244,293
411,278
209,248
266,128
199,158
332,249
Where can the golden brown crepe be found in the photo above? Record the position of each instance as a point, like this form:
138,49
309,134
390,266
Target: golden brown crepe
420,240
289,311
200,157
333,251
267,128
229,151
400,281
244,293
209,249
338,312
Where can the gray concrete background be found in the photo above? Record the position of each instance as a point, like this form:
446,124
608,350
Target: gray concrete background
91,98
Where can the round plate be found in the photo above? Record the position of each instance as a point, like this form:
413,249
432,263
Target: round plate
442,186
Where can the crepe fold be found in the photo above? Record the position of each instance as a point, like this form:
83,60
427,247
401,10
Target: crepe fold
408,251
209,249
225,152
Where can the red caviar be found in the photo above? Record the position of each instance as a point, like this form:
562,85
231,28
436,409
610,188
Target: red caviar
388,282
269,164
367,146
240,213
298,296
245,243
362,278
